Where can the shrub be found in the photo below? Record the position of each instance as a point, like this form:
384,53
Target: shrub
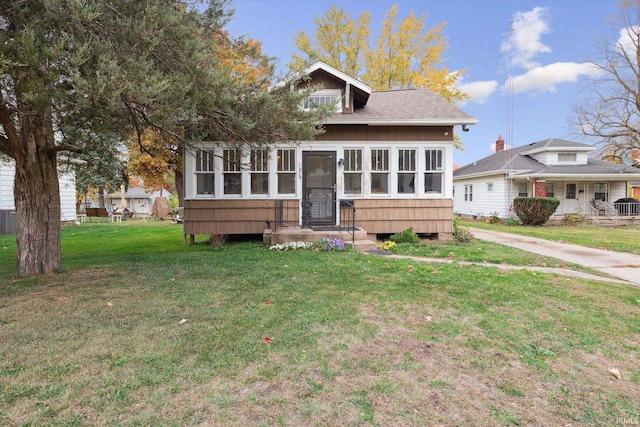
572,219
407,236
512,222
535,210
461,234
495,219
386,246
290,246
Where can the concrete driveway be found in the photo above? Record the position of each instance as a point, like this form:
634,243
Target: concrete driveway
622,265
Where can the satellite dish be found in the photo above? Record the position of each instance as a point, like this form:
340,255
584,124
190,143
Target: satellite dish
627,161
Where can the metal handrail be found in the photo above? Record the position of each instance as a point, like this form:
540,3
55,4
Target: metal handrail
350,220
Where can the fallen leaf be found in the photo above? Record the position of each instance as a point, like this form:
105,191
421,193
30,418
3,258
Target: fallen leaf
428,318
267,340
410,267
183,321
109,304
614,372
268,302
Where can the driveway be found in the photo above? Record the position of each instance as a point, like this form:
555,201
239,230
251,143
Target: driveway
622,265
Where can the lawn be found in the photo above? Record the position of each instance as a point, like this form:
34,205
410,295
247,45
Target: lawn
622,239
141,330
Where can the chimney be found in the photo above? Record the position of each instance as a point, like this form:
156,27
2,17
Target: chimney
499,144
634,154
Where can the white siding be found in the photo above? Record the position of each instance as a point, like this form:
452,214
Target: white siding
67,191
485,203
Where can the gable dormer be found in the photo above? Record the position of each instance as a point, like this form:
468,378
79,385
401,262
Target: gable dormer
352,93
553,151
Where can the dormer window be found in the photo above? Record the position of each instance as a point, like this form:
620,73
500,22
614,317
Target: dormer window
324,97
567,157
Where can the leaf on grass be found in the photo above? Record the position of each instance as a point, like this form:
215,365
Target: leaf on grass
267,340
615,373
109,304
183,321
428,318
268,302
410,267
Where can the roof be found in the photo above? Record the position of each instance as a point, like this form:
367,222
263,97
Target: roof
319,65
405,107
518,161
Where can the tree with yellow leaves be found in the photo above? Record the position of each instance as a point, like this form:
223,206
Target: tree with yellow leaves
339,41
406,55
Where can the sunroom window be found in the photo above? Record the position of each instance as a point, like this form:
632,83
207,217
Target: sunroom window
353,171
406,171
287,171
205,172
433,172
260,171
380,171
232,171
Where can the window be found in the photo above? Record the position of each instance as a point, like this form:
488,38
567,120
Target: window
380,171
287,171
324,97
551,189
567,157
232,172
601,191
406,171
260,171
468,193
353,171
433,171
571,192
523,189
205,173
489,187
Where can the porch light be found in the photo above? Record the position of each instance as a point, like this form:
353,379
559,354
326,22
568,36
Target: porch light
341,162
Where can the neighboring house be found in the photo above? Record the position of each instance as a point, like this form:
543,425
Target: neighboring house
67,182
549,168
139,200
390,154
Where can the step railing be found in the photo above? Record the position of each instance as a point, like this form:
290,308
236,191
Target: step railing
348,218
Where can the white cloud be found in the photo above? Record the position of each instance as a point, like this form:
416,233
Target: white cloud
545,79
628,41
524,44
479,92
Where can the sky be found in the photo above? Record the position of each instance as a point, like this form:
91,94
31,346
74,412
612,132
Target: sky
543,45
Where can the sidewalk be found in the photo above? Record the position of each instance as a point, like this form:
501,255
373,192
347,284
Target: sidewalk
622,265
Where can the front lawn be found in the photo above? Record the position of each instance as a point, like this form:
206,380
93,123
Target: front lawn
141,330
622,239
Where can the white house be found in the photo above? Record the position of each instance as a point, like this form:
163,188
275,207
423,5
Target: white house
549,168
386,157
139,200
67,182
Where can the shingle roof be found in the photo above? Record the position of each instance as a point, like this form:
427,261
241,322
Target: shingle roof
518,162
410,106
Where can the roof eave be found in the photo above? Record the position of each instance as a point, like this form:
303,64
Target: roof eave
415,122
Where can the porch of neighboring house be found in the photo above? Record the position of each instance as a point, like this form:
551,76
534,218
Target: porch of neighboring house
592,201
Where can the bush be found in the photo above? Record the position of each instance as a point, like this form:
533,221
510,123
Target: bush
407,236
461,234
329,245
535,210
512,222
386,246
495,219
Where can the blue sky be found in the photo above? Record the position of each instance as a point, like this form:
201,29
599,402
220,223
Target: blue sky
547,44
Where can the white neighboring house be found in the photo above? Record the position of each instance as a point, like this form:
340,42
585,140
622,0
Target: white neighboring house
67,181
139,200
548,168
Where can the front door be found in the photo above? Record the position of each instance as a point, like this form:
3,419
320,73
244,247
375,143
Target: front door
319,185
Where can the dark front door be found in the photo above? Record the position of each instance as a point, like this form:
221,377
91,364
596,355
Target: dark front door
319,185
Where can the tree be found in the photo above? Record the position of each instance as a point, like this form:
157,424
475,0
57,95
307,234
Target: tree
339,41
613,115
118,68
406,55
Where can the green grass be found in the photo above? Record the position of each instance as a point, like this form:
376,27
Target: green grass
622,239
356,339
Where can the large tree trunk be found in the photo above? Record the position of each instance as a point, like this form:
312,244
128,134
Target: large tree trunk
37,197
179,178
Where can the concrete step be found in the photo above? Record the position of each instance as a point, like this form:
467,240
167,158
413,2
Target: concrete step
364,245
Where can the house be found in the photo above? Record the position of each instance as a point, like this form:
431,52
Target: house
384,164
549,168
67,183
139,200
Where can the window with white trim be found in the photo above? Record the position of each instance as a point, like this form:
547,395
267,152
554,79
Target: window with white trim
551,189
287,171
379,171
601,191
205,172
571,192
260,171
353,171
232,171
567,157
324,97
406,171
523,189
468,193
434,171
489,187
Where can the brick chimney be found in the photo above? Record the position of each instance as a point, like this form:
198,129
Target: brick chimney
634,155
499,144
